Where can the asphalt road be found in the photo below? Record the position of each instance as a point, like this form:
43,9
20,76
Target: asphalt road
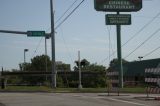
74,99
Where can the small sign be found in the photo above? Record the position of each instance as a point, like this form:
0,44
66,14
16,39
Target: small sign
118,19
36,33
118,5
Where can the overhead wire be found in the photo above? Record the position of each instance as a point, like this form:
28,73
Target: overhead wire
67,48
61,22
66,11
151,52
142,43
37,47
69,15
147,54
136,34
65,20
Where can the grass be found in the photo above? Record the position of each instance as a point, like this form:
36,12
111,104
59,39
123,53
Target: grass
133,90
68,90
27,88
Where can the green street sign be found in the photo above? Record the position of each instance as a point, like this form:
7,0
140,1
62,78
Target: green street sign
118,5
118,19
36,33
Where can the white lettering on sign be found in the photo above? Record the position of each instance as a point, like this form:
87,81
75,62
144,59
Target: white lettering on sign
119,3
119,6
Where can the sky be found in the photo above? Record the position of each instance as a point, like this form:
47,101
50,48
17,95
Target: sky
83,31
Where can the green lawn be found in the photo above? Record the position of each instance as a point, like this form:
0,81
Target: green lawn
83,90
27,88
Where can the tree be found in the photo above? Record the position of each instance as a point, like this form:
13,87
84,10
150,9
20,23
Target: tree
25,66
114,64
83,63
86,66
38,63
96,68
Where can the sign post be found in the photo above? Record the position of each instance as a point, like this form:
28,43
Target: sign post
119,54
118,20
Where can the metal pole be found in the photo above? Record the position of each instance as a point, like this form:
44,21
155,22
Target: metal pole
2,80
79,65
18,32
24,56
119,55
46,55
53,47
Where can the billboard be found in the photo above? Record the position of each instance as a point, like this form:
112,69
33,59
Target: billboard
118,5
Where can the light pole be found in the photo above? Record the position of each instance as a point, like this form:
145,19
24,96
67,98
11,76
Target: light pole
47,37
25,50
79,67
140,58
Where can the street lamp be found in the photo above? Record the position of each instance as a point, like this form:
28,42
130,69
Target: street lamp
140,58
79,68
47,37
25,50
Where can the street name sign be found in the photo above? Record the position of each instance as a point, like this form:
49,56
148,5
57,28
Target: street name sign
118,19
36,33
118,5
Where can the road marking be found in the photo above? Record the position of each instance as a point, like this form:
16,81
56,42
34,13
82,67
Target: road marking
128,102
112,99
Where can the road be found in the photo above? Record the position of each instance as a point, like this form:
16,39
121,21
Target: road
73,99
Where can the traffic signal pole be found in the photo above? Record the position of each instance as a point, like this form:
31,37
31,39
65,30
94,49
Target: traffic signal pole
52,34
20,32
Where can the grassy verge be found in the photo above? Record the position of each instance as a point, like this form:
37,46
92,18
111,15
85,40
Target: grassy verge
27,88
133,90
69,90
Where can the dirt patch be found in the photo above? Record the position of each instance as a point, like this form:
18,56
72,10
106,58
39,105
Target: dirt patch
1,104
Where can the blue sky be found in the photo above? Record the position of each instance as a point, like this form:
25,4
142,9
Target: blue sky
84,30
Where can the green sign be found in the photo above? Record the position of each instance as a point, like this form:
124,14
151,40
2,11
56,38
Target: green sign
118,5
118,19
36,33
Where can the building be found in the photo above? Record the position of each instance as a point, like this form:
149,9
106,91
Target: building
134,72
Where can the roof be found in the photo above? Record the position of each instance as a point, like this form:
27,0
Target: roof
137,68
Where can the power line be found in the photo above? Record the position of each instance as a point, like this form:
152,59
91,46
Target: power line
64,21
37,46
151,52
136,34
69,14
143,43
66,11
64,41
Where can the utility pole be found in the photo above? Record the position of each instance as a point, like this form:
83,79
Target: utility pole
54,72
79,67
